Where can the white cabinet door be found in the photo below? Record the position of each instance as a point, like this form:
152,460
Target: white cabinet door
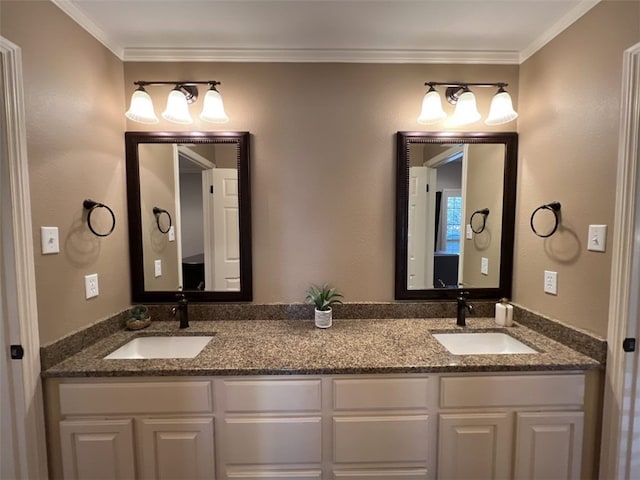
475,445
97,449
549,445
177,448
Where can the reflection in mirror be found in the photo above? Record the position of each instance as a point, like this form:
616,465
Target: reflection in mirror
455,193
189,215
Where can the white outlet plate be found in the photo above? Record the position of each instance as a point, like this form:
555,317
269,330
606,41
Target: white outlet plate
484,266
49,238
469,233
91,286
157,267
551,282
597,241
172,234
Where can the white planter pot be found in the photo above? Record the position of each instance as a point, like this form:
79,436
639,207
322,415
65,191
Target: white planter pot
323,318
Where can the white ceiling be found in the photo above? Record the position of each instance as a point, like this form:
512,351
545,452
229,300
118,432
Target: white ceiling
421,31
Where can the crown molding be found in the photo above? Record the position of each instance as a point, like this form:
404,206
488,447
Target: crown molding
86,23
317,55
567,20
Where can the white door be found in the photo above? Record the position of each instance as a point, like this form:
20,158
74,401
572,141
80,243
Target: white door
97,449
474,445
180,448
421,228
222,245
549,445
22,447
620,444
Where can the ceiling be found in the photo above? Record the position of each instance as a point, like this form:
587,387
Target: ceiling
389,31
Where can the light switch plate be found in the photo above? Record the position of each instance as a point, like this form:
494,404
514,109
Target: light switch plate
157,267
172,234
597,241
551,282
484,266
49,238
91,286
469,233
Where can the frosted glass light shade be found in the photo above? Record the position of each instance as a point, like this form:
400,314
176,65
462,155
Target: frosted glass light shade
501,110
466,110
213,108
432,111
177,110
141,108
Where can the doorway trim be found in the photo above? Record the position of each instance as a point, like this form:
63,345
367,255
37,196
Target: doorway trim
19,275
621,389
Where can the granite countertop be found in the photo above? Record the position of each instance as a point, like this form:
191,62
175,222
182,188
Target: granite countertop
259,347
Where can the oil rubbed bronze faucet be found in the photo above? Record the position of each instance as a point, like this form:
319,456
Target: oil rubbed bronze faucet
463,307
182,311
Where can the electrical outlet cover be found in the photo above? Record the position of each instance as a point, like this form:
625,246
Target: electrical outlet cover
551,282
157,267
91,286
484,266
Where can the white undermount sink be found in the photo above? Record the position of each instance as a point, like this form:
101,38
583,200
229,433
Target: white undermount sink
486,343
161,347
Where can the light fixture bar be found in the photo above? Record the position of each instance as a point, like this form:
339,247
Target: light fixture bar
465,84
458,94
177,111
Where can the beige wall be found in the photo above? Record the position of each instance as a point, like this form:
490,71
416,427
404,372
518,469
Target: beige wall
569,120
322,160
323,140
485,182
74,102
157,189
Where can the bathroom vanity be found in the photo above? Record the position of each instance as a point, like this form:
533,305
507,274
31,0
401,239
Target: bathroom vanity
366,399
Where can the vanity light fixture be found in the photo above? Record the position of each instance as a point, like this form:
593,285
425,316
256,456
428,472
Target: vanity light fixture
466,112
177,110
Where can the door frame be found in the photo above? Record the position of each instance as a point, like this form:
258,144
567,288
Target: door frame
19,276
621,395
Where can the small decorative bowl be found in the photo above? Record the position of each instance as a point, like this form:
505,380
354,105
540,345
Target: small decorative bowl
136,324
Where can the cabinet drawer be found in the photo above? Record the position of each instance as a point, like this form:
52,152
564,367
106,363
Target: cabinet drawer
382,393
396,438
152,397
272,395
273,441
512,391
383,474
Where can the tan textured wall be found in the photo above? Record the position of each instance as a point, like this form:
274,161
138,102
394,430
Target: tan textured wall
322,160
157,189
569,120
74,99
484,190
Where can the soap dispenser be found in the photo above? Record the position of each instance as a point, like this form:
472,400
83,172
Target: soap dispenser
504,313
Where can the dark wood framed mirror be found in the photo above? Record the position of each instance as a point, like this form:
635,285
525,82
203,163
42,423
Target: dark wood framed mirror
189,206
455,213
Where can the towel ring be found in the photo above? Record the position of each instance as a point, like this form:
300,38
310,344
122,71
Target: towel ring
157,211
555,208
91,206
485,213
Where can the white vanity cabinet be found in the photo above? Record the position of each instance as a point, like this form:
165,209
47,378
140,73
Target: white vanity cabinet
383,427
114,430
358,427
511,426
269,427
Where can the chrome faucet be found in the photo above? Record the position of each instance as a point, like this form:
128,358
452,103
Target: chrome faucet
182,310
463,307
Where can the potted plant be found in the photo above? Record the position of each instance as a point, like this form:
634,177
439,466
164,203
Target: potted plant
323,298
138,317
